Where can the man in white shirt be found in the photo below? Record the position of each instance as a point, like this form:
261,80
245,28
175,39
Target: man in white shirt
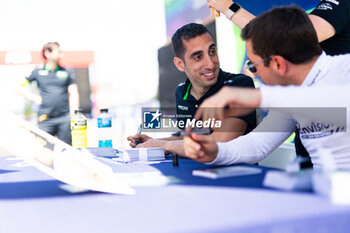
283,50
331,20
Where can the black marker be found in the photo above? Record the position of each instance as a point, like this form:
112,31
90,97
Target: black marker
175,160
137,140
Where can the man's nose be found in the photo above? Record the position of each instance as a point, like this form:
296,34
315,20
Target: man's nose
209,62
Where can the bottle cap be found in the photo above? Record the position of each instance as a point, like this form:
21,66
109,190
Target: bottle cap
78,111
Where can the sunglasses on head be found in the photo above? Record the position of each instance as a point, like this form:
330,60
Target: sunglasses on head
251,66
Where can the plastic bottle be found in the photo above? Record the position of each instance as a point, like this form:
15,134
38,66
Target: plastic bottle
105,132
78,125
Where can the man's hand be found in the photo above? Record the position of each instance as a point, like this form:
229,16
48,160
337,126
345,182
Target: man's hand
201,148
142,138
37,99
29,95
220,5
229,101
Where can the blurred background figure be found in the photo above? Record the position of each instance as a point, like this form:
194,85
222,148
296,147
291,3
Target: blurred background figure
58,96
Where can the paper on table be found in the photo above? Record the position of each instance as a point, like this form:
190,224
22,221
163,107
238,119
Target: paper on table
57,158
138,173
106,152
141,154
222,172
289,181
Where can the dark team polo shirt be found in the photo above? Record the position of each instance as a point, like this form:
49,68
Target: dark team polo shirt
186,104
337,13
53,86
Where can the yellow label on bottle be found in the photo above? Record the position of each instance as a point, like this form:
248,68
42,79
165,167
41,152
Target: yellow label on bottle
79,138
79,133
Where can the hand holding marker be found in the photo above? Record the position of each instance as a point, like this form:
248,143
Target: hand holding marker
184,133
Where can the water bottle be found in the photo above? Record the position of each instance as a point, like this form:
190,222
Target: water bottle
105,132
78,125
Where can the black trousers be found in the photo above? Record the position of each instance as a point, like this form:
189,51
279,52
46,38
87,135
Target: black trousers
299,147
59,127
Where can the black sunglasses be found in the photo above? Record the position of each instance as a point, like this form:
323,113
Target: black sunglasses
251,66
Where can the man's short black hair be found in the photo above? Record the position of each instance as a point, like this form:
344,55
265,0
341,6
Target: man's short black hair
186,32
48,47
285,31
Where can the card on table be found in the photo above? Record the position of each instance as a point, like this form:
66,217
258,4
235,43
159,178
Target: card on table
221,172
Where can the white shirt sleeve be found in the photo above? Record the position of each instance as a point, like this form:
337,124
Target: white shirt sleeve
253,147
323,103
280,123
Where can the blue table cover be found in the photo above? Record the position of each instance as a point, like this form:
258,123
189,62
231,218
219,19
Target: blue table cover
32,202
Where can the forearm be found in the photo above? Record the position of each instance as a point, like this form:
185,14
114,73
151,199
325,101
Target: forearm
170,147
174,147
250,148
171,138
324,29
73,103
230,129
29,95
253,147
242,18
73,98
226,136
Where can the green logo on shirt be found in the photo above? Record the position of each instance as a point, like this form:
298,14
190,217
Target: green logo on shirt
62,74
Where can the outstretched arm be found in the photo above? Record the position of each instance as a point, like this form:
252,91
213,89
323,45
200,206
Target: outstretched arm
23,91
239,100
73,98
324,29
170,145
242,17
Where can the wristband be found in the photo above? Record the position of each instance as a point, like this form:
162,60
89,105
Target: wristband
232,10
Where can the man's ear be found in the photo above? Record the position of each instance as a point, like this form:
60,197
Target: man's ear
179,63
279,64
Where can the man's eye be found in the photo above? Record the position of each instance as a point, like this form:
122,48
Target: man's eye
212,52
197,58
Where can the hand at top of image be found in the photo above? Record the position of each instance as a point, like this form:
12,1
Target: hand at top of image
220,5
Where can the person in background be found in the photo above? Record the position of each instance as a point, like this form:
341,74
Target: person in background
331,20
196,55
299,61
58,97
